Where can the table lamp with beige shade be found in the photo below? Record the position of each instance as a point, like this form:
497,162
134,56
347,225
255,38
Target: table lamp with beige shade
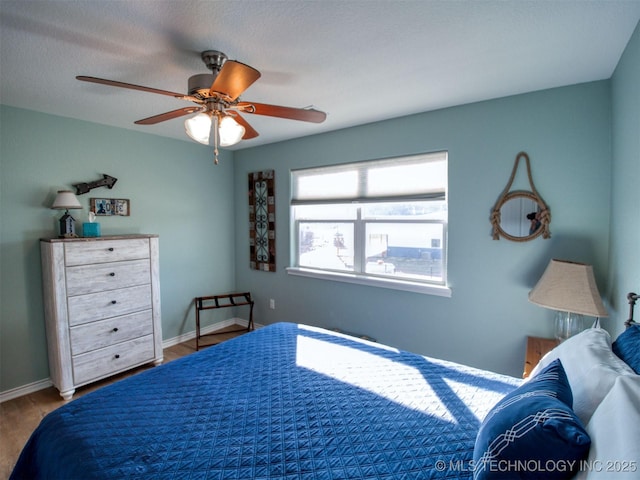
570,289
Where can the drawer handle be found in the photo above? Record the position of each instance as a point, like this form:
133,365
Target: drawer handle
115,329
117,355
110,249
114,302
112,274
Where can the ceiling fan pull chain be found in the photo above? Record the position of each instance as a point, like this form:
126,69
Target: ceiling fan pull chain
216,134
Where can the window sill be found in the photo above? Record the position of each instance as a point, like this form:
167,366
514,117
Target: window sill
407,286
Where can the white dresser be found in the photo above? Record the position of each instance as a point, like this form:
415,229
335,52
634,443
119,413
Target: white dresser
102,307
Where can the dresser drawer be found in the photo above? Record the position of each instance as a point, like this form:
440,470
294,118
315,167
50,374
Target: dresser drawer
95,335
102,251
109,304
98,363
100,277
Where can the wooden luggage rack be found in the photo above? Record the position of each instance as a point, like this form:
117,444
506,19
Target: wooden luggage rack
222,301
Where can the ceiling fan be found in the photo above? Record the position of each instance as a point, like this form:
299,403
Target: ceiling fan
217,99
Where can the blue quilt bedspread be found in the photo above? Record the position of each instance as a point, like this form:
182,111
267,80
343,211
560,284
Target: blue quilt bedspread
284,402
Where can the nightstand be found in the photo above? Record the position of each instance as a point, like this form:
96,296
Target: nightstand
537,347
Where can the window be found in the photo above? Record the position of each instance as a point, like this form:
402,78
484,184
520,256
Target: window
381,221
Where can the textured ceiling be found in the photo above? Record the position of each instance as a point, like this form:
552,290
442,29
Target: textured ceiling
360,61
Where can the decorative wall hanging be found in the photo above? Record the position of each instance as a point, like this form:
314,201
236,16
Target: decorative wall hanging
110,206
520,215
262,221
107,181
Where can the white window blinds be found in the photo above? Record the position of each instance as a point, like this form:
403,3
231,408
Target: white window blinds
416,177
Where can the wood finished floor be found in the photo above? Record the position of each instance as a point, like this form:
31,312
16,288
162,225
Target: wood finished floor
19,417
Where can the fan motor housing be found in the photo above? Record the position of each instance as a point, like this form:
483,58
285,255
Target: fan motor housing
200,84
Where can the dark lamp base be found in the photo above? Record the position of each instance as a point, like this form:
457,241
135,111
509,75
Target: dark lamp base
67,226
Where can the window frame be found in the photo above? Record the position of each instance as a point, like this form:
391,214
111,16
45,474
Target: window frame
359,274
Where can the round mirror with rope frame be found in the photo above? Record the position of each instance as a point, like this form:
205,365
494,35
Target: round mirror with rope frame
520,215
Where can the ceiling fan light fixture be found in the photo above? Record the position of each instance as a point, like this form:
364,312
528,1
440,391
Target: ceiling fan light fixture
198,127
230,131
216,94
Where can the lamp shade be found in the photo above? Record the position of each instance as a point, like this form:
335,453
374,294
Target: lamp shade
568,287
65,200
198,127
231,132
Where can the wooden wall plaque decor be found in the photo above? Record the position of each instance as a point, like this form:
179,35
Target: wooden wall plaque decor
110,206
262,221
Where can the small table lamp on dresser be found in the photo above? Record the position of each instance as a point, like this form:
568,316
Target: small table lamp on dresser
66,200
570,288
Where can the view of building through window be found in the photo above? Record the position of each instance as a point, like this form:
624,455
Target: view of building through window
397,234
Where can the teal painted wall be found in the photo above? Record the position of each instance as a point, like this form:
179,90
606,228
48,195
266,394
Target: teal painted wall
566,132
624,264
175,192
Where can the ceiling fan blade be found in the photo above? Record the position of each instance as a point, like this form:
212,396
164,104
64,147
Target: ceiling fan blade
233,79
249,131
302,114
131,86
167,116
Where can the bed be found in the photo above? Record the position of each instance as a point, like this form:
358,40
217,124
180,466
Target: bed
287,401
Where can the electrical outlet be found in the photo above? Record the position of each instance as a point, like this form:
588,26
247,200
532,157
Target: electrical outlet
272,304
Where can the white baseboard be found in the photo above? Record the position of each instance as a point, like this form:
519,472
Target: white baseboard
46,383
209,329
25,389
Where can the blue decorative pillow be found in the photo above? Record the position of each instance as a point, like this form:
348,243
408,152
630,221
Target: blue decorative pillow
627,347
532,432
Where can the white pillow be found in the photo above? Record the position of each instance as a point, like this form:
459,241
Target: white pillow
591,368
615,434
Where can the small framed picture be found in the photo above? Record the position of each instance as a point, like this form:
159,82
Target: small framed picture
110,206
